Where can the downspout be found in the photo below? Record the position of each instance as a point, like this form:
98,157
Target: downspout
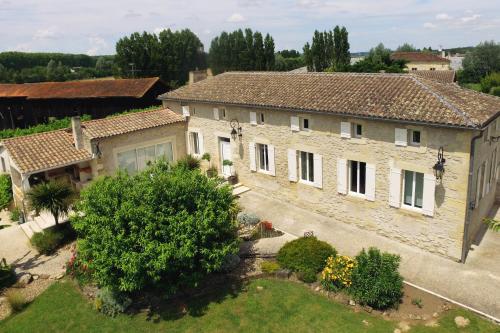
470,205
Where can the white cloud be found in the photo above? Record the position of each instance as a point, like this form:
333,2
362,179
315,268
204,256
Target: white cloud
159,29
443,17
132,14
429,25
235,18
97,45
48,33
473,17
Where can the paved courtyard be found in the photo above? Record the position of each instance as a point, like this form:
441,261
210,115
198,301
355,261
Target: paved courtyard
475,283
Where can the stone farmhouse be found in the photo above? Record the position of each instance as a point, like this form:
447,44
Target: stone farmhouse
361,148
418,61
407,157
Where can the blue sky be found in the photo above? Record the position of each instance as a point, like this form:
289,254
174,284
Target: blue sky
94,26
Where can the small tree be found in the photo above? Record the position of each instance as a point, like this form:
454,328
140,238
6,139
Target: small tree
53,196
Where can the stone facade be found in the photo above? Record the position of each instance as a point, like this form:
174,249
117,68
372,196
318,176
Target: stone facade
427,66
441,233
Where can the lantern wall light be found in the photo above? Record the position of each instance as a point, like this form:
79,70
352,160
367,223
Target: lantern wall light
235,129
439,166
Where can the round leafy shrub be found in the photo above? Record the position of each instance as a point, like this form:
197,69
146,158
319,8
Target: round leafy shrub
495,91
337,273
5,191
111,302
189,162
231,261
248,219
375,279
47,242
306,255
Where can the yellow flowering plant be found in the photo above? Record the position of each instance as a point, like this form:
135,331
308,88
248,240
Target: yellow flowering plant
337,273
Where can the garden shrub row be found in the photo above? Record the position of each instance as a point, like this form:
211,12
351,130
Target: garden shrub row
371,278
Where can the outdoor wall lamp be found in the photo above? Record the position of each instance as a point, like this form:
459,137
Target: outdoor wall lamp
439,166
235,129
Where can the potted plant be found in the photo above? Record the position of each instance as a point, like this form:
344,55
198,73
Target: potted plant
233,178
211,171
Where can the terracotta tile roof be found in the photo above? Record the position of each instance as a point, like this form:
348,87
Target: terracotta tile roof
418,57
44,151
401,97
49,150
106,127
80,89
439,76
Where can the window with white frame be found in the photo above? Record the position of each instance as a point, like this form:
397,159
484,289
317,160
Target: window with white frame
413,189
305,124
194,141
357,130
263,157
138,159
261,118
414,138
306,166
357,177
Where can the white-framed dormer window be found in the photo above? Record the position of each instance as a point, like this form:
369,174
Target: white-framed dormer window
305,124
357,178
306,167
413,189
263,157
357,130
414,137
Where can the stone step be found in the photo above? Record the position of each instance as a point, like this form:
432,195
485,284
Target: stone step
240,190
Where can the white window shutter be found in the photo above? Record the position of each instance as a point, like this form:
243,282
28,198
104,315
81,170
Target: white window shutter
201,143
216,114
185,110
429,194
370,182
342,176
395,188
272,164
292,165
401,137
345,129
294,123
251,155
253,118
189,143
318,171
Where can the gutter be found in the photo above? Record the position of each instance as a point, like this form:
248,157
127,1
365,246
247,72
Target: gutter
470,206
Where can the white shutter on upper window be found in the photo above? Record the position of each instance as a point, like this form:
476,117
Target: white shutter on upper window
251,155
429,194
272,164
253,118
345,129
294,123
318,171
201,143
185,110
395,187
216,114
401,137
342,176
370,182
292,165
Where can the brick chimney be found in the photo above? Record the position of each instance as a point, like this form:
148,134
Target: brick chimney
76,128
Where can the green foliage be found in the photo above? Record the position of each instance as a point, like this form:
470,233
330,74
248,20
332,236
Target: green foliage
492,224
170,55
490,81
111,302
206,157
7,274
241,51
417,302
16,300
329,49
248,219
5,191
48,241
15,214
406,47
481,61
189,163
166,227
306,255
378,59
286,64
53,196
269,267
52,125
375,279
230,262
495,91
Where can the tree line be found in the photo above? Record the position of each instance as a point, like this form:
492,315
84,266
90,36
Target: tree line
328,50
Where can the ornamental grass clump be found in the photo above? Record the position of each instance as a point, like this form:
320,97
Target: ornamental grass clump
337,273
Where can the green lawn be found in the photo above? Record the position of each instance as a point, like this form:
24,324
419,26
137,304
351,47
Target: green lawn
280,307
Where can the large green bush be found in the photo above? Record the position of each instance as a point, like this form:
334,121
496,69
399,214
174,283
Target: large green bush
48,241
375,279
163,227
306,255
5,191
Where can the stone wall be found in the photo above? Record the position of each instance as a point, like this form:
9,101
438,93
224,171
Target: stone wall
425,66
440,234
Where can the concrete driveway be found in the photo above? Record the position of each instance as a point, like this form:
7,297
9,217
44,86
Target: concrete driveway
475,283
